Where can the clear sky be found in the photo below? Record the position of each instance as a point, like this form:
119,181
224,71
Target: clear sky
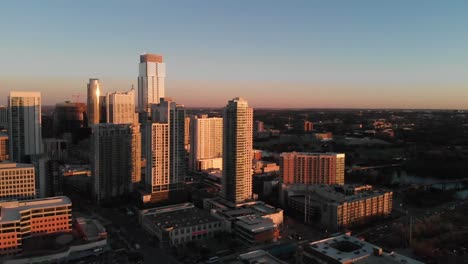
347,53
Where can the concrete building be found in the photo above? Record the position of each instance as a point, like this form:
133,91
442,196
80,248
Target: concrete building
308,126
33,218
178,224
339,206
24,115
151,81
49,180
187,134
312,168
259,127
257,257
120,107
4,146
3,117
237,151
157,161
116,157
206,150
168,112
69,117
17,181
56,148
344,249
93,99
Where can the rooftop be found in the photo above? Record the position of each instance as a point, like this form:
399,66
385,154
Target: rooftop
348,249
10,211
11,165
255,223
259,257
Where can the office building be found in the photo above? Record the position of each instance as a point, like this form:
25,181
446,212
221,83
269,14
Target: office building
4,146
157,161
69,117
178,224
49,180
237,151
206,148
339,206
3,117
168,112
94,93
115,160
24,115
17,181
120,107
32,218
151,81
312,168
344,249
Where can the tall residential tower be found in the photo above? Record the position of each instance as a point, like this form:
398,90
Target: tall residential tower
237,151
151,79
120,107
94,91
206,149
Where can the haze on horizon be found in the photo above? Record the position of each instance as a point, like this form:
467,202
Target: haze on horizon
300,54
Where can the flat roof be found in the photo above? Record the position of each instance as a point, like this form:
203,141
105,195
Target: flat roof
12,165
10,210
179,216
255,223
348,249
259,257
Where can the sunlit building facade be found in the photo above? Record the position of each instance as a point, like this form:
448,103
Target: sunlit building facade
207,143
93,99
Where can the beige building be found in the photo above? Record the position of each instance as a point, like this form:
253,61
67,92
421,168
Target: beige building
120,107
116,159
157,157
312,168
237,151
17,181
94,92
207,143
187,134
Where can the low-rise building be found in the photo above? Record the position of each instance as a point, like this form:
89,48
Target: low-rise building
3,146
178,224
344,249
24,219
257,257
17,181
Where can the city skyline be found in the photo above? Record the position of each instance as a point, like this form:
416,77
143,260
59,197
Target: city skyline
396,56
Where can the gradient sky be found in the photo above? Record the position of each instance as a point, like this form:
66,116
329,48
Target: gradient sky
356,53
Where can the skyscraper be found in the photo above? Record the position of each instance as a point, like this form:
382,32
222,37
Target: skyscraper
237,151
151,79
157,157
168,112
3,117
24,117
94,92
206,150
120,107
312,168
115,160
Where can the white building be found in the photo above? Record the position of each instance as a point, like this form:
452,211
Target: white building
94,92
157,157
237,151
24,117
120,107
206,149
151,81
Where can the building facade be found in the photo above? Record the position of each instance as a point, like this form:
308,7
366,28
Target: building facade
207,143
116,159
17,181
69,118
237,151
168,112
312,168
157,157
4,146
33,218
93,99
24,117
120,107
3,117
151,81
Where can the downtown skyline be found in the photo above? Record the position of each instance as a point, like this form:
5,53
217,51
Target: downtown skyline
362,55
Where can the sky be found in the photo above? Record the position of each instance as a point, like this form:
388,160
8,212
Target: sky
288,54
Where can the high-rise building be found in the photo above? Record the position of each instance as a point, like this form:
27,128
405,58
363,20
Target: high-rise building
187,134
3,117
151,81
69,118
17,181
259,127
168,112
115,160
312,168
24,219
237,151
206,150
157,157
3,146
120,107
94,93
308,126
24,115
49,180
